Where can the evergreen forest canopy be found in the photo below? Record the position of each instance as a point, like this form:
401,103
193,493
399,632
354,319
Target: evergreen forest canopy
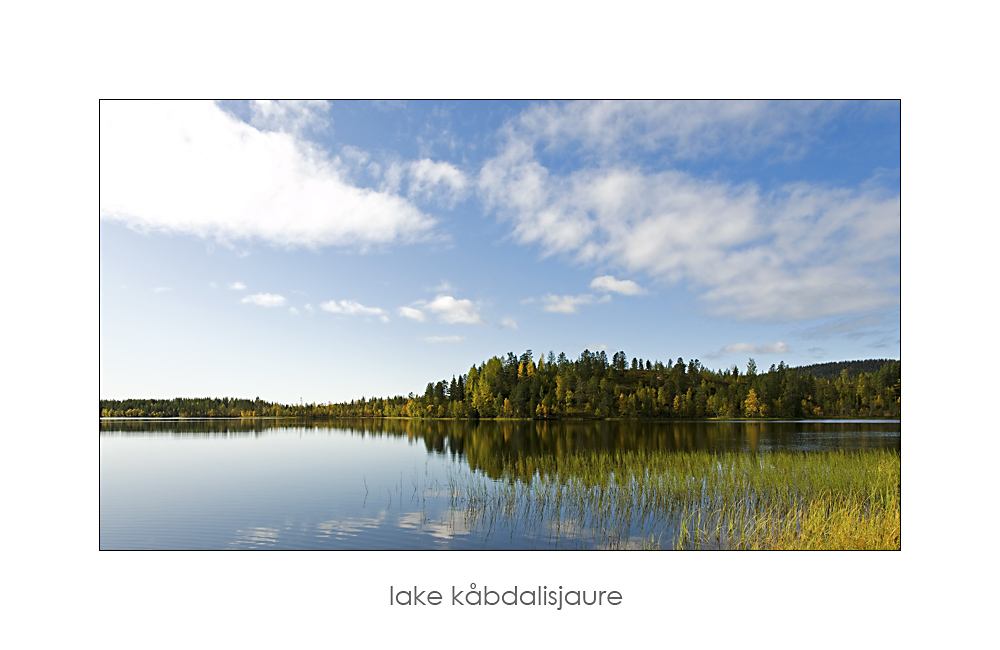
592,387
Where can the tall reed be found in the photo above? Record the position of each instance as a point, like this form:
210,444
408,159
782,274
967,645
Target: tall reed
691,500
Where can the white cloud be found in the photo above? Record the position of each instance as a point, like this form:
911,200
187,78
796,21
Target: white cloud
609,283
422,179
802,251
443,339
508,324
351,308
447,309
746,348
161,289
444,287
356,156
569,304
309,308
682,129
431,178
293,311
392,177
415,314
238,286
264,300
192,168
288,116
452,310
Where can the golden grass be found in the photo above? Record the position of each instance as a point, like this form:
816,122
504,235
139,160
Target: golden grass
697,500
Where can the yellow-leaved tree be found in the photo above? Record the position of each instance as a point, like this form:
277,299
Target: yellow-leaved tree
751,406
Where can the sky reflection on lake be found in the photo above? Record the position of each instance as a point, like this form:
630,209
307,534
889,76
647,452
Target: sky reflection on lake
237,484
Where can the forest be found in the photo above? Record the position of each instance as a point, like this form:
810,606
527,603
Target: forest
592,387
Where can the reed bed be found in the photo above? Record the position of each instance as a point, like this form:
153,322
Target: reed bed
696,500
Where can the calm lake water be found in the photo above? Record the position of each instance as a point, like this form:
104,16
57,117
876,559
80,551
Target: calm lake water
378,484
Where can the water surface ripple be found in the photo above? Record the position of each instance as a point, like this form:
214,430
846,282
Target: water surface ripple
380,484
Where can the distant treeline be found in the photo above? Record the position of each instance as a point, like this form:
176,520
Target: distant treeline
833,369
592,387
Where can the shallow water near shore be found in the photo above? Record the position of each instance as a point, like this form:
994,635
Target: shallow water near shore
388,484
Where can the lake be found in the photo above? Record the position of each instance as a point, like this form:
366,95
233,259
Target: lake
394,484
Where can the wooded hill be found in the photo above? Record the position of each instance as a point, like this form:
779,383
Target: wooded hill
592,386
833,369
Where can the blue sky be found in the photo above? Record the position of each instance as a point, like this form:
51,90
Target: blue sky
325,251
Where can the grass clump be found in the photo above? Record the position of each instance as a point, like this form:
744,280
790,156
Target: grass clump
695,500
